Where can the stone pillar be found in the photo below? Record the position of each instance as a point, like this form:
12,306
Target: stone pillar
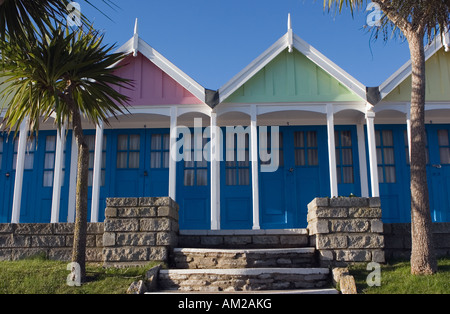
139,230
346,230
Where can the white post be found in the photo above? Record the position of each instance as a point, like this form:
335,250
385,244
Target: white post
370,117
73,181
255,163
20,167
56,198
362,160
408,127
332,151
172,160
97,176
215,173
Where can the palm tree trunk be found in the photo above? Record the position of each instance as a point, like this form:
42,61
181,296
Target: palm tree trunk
423,260
80,234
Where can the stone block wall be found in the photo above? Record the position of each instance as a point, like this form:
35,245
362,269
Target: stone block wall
346,230
139,230
54,241
398,240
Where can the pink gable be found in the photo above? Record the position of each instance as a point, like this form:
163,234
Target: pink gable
152,86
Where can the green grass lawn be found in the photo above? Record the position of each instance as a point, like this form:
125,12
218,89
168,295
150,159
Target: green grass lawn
41,276
396,278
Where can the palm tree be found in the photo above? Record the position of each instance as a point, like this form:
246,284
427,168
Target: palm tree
417,21
67,76
24,16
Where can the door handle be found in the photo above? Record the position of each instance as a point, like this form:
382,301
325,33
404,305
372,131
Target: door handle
437,166
7,174
145,173
291,170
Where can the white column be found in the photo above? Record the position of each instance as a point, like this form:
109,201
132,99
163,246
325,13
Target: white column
73,181
370,117
362,160
408,127
97,176
20,167
332,151
172,160
255,163
57,177
215,173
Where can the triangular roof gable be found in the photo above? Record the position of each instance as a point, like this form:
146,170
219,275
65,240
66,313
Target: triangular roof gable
396,88
153,62
292,42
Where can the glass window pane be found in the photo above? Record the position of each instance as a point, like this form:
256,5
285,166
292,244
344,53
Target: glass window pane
379,156
378,138
189,176
122,142
202,177
231,177
380,175
90,140
445,155
133,162
347,173
299,139
48,179
166,142
312,139
50,144
135,142
49,162
389,158
443,138
390,175
346,138
244,177
122,160
156,142
91,160
29,161
347,157
388,139
166,160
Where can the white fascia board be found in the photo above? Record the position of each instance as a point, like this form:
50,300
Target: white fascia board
253,68
405,71
166,66
330,67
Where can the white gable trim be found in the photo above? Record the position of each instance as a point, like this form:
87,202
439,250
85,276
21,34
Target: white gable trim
310,52
406,70
133,46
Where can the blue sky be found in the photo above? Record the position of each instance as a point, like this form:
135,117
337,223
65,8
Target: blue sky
213,40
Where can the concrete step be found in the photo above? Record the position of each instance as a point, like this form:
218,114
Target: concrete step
249,279
245,239
188,258
261,292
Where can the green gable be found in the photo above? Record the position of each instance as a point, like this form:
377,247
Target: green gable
437,79
292,77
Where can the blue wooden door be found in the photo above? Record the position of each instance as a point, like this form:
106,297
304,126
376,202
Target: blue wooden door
302,176
236,188
347,161
193,186
142,161
6,177
438,170
393,173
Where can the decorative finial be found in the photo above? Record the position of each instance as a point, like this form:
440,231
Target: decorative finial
290,35
136,39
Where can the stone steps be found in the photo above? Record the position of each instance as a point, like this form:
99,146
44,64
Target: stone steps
187,258
249,279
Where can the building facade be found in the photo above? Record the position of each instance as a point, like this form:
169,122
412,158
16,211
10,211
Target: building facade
327,134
